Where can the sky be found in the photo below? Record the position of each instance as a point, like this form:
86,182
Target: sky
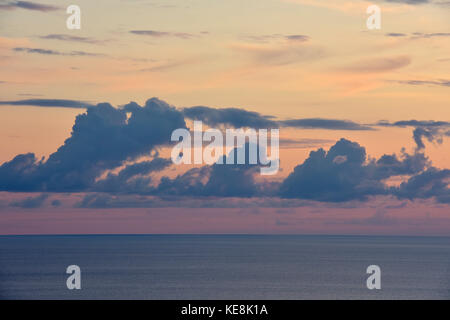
86,116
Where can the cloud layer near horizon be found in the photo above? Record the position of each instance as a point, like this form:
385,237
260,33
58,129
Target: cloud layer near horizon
105,138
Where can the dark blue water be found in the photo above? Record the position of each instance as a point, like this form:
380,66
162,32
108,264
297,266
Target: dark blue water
224,267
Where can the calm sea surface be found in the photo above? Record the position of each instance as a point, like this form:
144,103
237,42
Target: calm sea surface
224,267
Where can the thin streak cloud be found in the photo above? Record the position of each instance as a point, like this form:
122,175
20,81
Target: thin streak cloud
27,5
62,103
162,34
56,53
70,38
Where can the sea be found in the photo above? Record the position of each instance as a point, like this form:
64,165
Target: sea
280,267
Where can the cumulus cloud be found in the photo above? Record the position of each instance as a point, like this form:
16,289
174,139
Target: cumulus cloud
101,155
221,180
343,173
430,183
131,179
102,138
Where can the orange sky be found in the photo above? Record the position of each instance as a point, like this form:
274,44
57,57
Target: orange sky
286,58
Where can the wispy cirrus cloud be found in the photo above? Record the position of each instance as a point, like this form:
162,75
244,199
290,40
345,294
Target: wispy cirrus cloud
163,34
279,54
378,65
265,38
171,65
70,38
418,35
102,138
358,6
319,123
27,5
441,82
412,2
55,52
61,103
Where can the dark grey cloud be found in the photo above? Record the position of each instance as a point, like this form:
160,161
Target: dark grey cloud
30,202
28,5
431,134
414,123
57,53
230,116
298,37
105,200
430,183
63,103
102,139
343,174
319,123
320,178
131,179
234,117
221,180
433,131
240,118
234,180
56,203
107,139
396,34
162,34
